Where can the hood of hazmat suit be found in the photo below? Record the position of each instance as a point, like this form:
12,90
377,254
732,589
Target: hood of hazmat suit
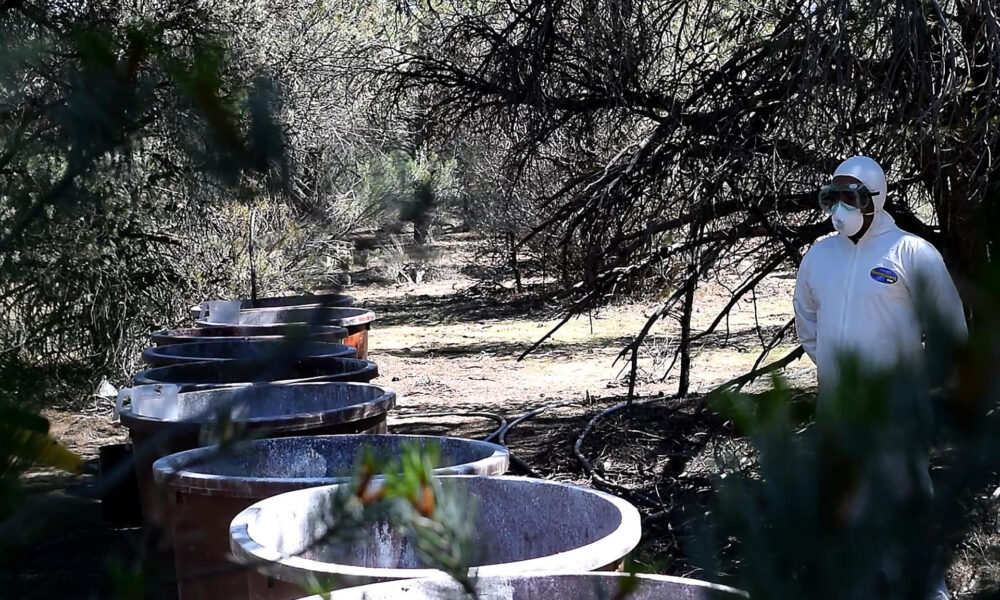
862,298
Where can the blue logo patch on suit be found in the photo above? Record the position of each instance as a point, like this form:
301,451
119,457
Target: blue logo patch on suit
883,275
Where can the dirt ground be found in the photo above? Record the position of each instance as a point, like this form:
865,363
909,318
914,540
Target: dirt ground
444,348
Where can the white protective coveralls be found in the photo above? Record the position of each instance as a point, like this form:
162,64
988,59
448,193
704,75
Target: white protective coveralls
861,298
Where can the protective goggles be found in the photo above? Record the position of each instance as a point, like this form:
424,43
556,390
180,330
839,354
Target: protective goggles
854,195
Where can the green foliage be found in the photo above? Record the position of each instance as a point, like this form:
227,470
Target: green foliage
113,160
845,508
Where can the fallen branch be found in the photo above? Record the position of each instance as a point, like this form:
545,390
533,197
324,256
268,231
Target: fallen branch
748,377
588,468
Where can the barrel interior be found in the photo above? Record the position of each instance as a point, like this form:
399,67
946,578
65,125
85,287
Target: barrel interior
512,523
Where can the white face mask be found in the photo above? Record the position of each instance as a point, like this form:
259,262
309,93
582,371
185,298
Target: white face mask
848,221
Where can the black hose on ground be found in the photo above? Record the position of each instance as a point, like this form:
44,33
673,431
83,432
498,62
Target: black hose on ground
501,438
528,415
588,468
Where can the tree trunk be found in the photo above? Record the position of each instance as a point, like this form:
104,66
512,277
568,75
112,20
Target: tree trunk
684,381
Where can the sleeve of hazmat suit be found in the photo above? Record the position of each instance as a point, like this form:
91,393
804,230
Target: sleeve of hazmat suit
938,287
804,304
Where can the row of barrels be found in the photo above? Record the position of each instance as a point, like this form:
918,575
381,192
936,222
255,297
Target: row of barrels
243,428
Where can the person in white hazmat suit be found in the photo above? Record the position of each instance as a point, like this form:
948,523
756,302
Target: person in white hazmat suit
857,292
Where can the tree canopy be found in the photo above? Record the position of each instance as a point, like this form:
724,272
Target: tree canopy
697,133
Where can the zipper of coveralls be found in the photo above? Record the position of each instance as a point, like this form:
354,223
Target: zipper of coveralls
850,288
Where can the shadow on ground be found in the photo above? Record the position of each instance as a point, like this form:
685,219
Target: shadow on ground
464,307
744,340
500,348
61,547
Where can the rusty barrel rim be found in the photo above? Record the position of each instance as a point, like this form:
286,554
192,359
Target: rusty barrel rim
378,400
249,332
312,300
239,372
190,470
202,351
296,315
